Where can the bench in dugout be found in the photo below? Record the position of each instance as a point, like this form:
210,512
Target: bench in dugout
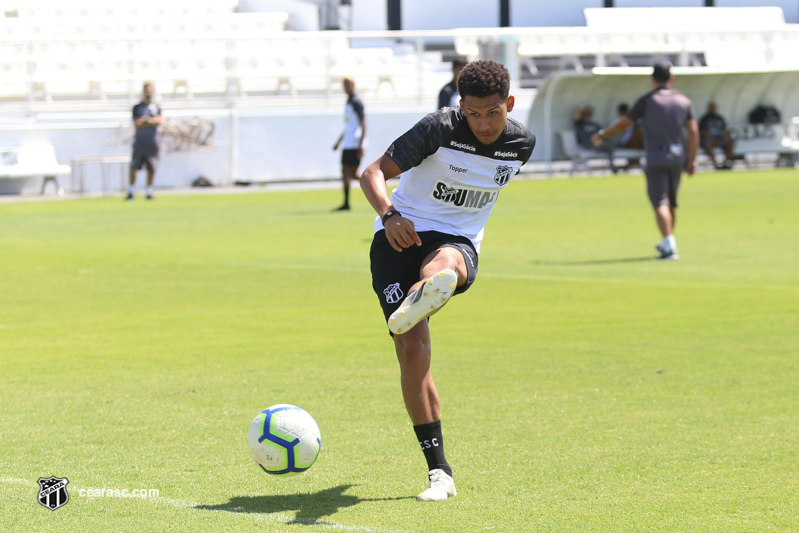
581,157
32,161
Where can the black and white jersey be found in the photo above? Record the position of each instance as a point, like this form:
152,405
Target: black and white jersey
450,181
353,113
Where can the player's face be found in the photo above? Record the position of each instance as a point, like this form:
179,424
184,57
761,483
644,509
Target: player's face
487,116
148,91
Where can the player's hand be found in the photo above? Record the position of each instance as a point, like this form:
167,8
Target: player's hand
596,140
335,146
360,153
401,233
690,167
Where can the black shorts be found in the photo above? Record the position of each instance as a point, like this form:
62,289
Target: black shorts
662,184
393,272
349,157
144,156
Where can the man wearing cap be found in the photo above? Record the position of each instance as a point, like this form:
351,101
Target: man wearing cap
665,114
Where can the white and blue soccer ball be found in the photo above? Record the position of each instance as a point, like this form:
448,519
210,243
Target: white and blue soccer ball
284,440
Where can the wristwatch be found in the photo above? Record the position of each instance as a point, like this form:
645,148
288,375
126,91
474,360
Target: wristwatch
390,213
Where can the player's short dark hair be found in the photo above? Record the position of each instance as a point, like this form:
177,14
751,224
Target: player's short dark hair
661,71
484,78
459,62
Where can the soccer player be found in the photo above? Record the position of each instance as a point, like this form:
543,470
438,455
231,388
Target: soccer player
147,118
351,140
665,114
452,166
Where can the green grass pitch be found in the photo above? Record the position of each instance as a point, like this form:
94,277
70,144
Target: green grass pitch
585,387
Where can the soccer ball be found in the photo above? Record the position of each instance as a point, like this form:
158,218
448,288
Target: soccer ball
284,440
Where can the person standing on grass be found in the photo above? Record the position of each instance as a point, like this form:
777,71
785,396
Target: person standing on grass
452,166
665,114
147,118
351,140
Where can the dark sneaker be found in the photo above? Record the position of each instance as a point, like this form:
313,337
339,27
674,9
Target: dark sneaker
129,197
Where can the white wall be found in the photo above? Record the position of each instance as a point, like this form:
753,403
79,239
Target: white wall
789,7
424,14
543,13
427,15
272,144
369,15
658,3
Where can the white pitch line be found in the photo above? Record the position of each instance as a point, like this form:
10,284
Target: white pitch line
282,517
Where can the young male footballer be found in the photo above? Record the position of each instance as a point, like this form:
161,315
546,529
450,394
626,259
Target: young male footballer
452,166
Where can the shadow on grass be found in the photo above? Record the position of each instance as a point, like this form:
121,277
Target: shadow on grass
311,508
596,261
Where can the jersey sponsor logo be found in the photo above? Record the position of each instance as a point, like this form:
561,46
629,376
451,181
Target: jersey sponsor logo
503,174
506,154
458,170
462,146
393,293
465,198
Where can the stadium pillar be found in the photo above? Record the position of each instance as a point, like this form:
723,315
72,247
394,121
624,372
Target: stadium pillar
709,3
608,3
504,13
394,14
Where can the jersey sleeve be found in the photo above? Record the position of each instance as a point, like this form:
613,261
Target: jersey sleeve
357,107
137,112
422,140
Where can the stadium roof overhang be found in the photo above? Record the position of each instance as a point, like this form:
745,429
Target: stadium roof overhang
736,93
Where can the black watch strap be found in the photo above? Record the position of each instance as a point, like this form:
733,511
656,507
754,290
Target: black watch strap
390,213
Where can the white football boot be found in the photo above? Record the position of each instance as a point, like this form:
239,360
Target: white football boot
441,487
424,301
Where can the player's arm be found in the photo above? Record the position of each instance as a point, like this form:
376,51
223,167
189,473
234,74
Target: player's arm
400,231
338,142
693,145
620,126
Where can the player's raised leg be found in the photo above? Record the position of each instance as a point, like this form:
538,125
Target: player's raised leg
443,271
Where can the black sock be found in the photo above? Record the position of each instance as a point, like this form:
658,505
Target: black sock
432,443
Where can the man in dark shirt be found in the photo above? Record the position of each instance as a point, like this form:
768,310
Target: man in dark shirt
449,97
147,119
714,134
585,128
666,114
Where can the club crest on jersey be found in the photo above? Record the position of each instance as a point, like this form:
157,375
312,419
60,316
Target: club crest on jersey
503,174
393,293
463,197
